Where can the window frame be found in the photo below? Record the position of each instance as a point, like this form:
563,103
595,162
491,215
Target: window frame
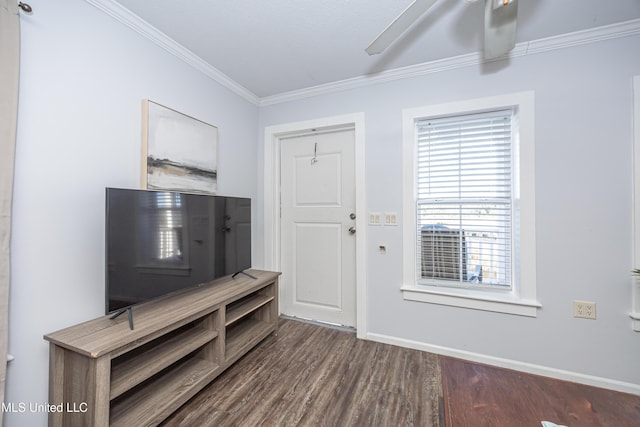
521,299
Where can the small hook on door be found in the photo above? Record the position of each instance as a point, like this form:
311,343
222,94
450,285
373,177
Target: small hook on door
314,160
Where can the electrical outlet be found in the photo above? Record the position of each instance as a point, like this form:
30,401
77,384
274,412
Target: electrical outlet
584,309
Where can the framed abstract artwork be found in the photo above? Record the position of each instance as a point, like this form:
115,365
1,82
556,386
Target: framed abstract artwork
179,152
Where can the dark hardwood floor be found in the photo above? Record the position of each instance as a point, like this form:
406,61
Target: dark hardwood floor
484,396
312,375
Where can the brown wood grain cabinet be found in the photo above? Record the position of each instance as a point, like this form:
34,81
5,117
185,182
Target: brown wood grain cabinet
103,373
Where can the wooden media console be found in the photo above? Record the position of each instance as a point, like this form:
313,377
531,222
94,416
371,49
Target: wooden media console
103,373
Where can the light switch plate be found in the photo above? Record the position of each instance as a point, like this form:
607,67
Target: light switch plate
390,218
375,218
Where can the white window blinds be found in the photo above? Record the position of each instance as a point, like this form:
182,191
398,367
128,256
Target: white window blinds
464,200
163,223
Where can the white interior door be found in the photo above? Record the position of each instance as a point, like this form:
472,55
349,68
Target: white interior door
318,258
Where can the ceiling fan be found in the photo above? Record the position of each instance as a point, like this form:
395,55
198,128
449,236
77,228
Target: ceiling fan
500,18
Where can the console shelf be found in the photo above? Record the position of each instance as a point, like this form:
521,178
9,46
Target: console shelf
131,371
243,337
246,306
158,398
117,376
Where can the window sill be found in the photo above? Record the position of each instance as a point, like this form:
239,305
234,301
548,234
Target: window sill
472,299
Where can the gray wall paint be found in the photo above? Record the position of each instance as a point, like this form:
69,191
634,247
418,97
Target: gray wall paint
84,76
83,79
583,187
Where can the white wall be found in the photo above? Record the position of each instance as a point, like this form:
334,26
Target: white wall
83,78
583,131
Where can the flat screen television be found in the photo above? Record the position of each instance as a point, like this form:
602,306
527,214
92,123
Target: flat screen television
160,242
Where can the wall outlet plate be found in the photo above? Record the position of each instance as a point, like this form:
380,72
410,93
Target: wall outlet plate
584,309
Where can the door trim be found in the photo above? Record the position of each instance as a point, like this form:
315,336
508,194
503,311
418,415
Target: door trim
272,137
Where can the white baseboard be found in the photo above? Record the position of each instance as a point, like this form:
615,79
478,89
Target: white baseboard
510,364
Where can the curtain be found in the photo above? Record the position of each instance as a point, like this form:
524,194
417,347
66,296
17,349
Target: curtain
9,74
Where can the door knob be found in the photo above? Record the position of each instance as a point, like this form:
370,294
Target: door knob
352,230
352,216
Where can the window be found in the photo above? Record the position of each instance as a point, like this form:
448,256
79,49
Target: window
165,215
469,225
463,184
162,243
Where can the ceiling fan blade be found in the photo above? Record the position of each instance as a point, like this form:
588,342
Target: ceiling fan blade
499,28
399,26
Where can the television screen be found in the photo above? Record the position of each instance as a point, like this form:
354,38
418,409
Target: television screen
161,242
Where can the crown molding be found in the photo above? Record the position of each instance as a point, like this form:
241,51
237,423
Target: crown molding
142,27
593,35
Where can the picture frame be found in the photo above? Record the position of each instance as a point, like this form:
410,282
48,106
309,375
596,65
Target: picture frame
179,152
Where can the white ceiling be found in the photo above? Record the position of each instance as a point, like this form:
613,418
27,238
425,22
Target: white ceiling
276,46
